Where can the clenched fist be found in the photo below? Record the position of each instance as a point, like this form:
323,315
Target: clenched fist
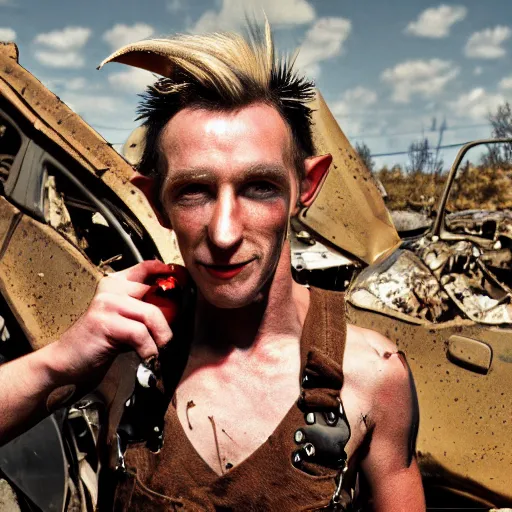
118,319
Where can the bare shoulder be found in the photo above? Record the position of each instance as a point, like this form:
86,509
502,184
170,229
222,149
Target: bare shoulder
375,368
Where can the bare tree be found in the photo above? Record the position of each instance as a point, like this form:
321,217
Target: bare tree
423,158
501,121
365,155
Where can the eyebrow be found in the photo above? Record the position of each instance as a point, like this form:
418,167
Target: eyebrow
271,172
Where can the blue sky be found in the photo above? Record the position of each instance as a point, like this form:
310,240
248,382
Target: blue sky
386,69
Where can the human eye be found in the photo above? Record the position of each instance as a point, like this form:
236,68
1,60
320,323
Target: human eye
192,194
261,190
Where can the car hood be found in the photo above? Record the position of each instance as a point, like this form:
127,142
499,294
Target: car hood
349,210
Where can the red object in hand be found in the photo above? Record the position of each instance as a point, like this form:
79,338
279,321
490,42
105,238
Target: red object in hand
166,293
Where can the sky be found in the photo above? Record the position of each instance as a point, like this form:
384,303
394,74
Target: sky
390,72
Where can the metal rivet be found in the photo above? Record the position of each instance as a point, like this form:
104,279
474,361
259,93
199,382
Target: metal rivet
331,418
299,436
310,418
309,449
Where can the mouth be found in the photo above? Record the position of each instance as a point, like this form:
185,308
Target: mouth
226,271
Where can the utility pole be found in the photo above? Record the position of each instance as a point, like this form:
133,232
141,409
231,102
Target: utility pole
442,129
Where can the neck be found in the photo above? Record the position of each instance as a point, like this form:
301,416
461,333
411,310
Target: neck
279,312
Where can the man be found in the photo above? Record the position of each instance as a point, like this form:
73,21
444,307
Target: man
228,160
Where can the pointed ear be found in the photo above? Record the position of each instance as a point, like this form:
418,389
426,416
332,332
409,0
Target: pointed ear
316,170
147,186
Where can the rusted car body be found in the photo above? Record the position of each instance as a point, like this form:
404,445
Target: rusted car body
68,213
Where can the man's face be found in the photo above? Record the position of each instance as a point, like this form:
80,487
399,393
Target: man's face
228,195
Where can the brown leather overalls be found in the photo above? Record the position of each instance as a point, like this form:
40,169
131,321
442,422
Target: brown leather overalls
177,478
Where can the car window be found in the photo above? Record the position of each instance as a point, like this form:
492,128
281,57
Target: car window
10,144
483,179
72,212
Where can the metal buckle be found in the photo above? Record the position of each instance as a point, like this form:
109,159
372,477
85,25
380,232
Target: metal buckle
335,499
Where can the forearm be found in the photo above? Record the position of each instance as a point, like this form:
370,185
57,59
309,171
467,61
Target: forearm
117,320
27,386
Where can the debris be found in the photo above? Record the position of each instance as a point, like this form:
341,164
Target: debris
190,404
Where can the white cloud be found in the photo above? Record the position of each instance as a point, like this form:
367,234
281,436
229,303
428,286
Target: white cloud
66,40
174,5
487,44
232,14
324,40
77,83
476,104
132,80
426,78
120,35
436,22
354,100
478,71
506,83
7,34
350,109
89,104
60,59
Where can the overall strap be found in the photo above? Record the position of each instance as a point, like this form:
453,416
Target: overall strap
322,440
325,327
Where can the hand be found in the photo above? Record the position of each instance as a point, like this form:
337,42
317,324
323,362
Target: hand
117,320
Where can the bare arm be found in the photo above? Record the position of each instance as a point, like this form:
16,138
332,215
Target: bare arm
116,320
390,465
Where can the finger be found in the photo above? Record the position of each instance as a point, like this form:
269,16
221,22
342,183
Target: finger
142,271
117,286
148,314
134,334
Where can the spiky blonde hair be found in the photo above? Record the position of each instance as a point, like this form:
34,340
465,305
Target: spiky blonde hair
219,71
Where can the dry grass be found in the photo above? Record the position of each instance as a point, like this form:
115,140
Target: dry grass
476,187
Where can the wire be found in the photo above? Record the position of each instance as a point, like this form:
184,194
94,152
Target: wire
104,127
400,134
446,146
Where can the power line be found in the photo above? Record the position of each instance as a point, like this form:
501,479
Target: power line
400,134
395,153
104,127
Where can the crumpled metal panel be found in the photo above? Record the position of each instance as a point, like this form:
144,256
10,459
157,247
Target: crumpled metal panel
48,114
349,210
481,222
401,286
435,281
47,282
475,302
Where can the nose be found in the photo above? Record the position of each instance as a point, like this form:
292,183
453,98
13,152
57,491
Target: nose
225,229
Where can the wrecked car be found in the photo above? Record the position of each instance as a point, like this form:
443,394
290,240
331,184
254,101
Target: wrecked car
445,297
69,214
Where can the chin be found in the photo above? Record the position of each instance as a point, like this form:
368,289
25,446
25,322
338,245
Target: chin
231,296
